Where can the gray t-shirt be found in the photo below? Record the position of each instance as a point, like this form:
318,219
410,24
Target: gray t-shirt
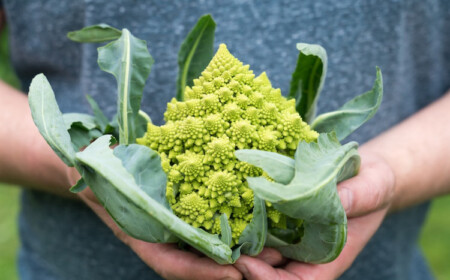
408,39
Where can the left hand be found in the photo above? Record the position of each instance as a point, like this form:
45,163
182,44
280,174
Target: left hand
366,198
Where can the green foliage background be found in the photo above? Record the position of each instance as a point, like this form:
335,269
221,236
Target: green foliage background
435,239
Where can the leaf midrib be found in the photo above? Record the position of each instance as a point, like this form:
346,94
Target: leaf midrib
339,112
126,86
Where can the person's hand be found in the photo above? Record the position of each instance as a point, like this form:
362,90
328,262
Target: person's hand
366,199
166,259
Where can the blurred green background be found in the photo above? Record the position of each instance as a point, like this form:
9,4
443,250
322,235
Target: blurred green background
435,239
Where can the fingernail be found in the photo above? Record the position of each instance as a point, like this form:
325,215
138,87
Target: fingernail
346,196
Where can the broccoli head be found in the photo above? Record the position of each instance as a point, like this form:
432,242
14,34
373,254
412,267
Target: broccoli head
226,109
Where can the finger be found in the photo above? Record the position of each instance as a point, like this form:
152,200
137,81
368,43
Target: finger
272,257
256,269
171,263
371,190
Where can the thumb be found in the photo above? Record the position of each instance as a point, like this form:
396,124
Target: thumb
372,189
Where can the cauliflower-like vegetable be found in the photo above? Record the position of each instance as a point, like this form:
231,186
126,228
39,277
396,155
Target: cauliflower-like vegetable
226,109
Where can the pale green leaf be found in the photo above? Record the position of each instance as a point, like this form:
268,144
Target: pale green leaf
352,114
128,59
49,120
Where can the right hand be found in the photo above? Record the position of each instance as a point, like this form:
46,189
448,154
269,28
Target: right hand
166,259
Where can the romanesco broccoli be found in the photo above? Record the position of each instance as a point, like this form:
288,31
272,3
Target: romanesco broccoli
226,109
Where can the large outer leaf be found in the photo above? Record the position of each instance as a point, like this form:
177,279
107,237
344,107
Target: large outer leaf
195,53
49,120
128,202
352,114
308,78
128,59
311,196
95,34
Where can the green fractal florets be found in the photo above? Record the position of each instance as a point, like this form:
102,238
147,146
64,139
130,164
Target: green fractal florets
226,109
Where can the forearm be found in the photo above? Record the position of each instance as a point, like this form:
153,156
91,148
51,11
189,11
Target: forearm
25,158
418,152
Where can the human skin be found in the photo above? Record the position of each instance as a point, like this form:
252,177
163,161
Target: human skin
392,176
402,167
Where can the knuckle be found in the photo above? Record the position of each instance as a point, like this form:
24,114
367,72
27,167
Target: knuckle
378,200
378,188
